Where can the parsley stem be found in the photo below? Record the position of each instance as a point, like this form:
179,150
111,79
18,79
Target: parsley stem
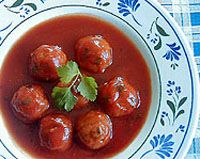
74,81
80,73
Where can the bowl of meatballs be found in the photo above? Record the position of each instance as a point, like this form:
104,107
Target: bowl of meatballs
81,82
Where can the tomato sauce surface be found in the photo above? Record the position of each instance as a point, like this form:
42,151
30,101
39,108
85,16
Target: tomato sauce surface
65,31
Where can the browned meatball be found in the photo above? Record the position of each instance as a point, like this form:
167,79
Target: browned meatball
45,60
29,103
56,132
94,129
93,53
118,97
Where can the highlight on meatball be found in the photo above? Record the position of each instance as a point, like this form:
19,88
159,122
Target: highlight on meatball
29,103
93,53
44,62
118,97
94,129
56,132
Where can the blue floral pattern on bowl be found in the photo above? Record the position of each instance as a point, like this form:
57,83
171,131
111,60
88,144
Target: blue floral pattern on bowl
161,146
129,7
21,7
175,104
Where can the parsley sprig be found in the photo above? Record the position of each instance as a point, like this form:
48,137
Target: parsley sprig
63,97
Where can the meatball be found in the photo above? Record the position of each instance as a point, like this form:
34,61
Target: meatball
44,62
56,132
118,97
94,129
29,103
93,53
81,101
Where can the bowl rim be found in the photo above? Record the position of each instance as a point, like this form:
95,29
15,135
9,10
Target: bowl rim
194,112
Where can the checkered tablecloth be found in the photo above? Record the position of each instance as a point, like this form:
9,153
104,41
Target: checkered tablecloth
187,15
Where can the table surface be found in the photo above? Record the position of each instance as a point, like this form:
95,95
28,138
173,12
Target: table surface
187,14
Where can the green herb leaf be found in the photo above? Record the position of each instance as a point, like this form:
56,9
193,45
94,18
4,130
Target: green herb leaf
68,72
32,5
64,98
88,88
70,101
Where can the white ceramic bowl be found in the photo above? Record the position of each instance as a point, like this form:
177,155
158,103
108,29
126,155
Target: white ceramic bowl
172,69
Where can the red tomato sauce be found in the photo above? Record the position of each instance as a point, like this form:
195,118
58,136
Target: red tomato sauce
65,31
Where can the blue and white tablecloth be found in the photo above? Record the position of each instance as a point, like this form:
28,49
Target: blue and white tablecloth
187,15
